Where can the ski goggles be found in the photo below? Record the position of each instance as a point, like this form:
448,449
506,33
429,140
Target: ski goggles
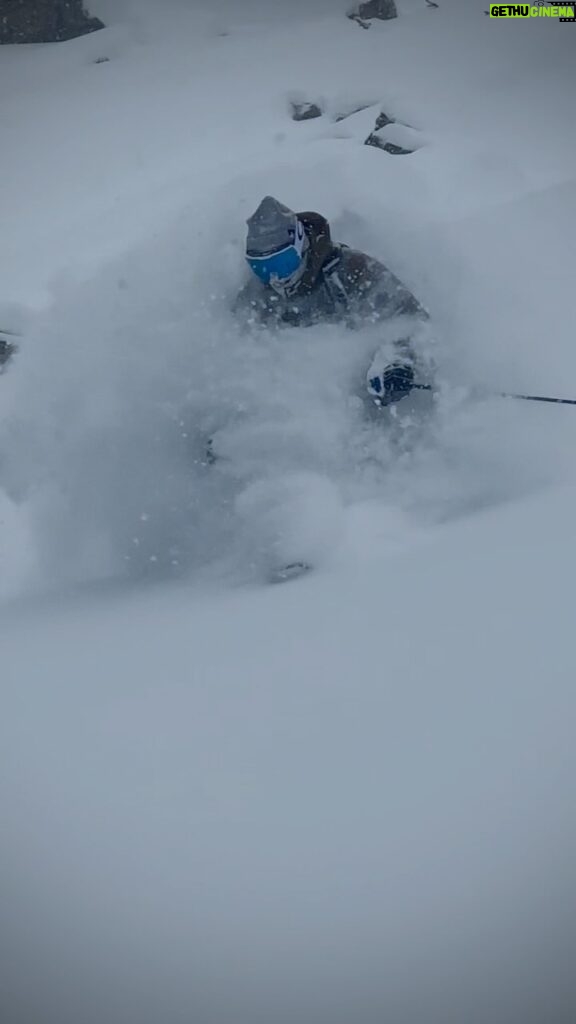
281,264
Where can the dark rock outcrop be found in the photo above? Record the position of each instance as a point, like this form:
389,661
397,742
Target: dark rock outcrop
44,21
407,140
350,113
7,350
382,9
388,147
382,120
305,111
374,139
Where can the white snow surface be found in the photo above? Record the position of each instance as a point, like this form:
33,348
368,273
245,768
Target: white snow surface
348,797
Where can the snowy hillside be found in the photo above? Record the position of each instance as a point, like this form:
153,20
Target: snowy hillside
350,797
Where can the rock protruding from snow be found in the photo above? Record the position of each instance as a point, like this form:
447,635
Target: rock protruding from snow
382,120
384,10
344,115
394,138
6,351
45,21
305,111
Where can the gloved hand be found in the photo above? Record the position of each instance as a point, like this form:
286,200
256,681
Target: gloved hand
394,383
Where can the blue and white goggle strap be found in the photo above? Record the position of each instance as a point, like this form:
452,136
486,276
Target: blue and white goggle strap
300,239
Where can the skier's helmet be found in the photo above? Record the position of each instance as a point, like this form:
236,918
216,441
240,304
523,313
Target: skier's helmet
276,246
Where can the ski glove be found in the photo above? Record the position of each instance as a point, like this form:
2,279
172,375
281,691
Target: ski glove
394,383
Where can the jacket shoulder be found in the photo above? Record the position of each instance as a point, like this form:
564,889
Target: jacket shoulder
366,276
358,268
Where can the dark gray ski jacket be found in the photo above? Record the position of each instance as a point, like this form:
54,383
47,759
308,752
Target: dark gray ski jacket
340,285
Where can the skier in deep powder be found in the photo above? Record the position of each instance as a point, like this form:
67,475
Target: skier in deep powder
301,277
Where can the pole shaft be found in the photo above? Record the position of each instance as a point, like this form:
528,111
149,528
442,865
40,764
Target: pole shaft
508,394
542,398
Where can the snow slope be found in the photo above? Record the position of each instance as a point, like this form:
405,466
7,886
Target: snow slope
345,799
349,797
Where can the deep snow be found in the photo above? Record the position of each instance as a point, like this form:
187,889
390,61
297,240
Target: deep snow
349,797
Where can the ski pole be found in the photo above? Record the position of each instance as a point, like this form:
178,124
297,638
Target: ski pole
11,334
542,398
509,394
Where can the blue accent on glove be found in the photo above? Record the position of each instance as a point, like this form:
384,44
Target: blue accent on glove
395,383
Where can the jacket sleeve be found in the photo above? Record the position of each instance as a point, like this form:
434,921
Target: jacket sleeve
253,305
375,292
378,295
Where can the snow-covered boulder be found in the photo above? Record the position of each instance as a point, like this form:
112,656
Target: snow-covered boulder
6,350
397,139
382,120
382,9
305,111
45,21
